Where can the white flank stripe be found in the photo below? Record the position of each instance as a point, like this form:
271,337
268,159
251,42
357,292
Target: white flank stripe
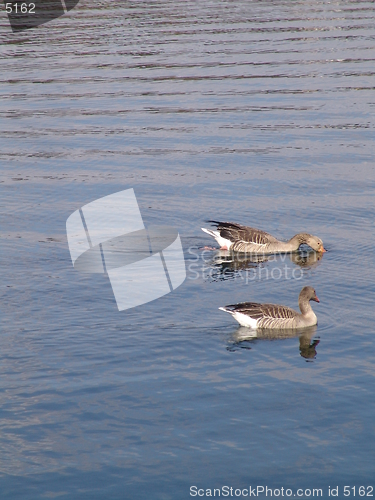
215,234
242,319
245,320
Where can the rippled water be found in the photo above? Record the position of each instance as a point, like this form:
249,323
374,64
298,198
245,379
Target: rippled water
255,112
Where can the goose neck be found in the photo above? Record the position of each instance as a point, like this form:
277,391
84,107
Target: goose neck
304,305
297,241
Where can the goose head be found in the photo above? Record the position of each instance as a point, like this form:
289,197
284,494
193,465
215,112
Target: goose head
315,243
308,293
308,239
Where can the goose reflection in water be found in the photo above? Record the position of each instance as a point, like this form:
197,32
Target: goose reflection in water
243,337
226,265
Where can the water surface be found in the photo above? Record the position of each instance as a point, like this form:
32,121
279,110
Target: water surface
253,112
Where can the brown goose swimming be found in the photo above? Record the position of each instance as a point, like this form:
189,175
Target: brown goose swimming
255,315
238,238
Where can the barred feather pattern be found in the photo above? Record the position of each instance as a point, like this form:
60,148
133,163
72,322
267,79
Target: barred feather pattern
247,239
267,315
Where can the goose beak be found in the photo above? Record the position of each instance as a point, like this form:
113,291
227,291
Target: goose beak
316,298
322,250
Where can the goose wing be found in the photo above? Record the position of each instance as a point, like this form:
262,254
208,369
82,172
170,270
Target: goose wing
237,232
263,311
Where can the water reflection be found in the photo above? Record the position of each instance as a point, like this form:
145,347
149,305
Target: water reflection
243,337
225,265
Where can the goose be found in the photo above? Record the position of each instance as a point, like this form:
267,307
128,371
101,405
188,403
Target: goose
254,315
239,238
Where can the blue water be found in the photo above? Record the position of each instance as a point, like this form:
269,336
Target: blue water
254,112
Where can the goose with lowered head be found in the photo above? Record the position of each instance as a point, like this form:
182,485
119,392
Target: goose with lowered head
239,238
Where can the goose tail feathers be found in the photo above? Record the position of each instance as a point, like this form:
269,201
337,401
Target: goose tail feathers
226,310
211,232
